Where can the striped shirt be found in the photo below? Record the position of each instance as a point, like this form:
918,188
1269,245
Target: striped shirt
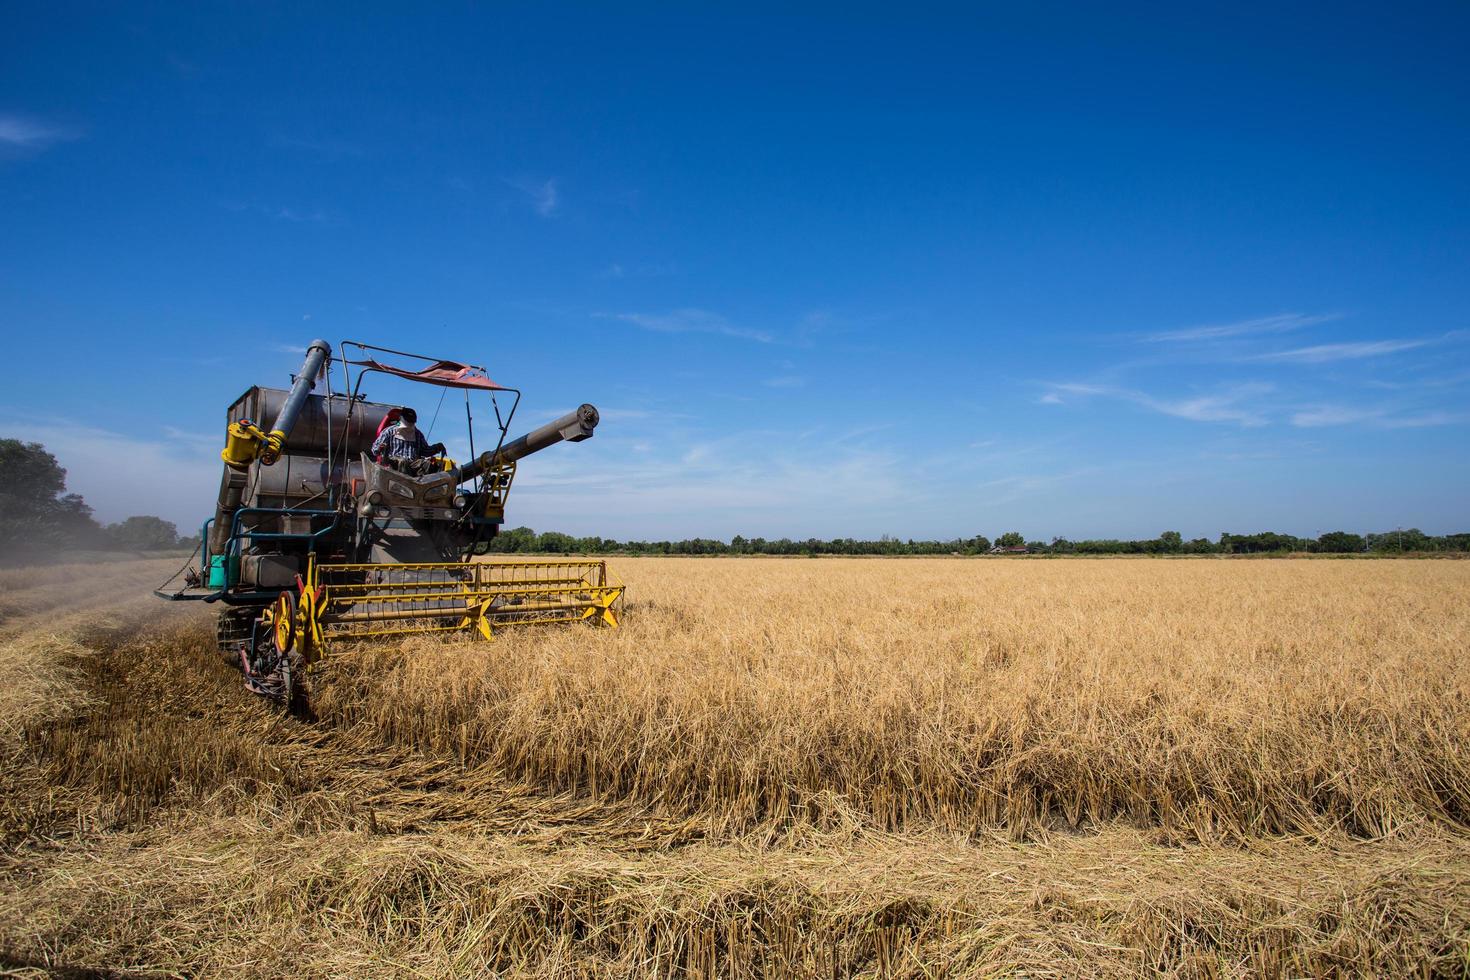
391,445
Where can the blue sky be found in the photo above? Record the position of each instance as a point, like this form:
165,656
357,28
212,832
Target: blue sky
959,271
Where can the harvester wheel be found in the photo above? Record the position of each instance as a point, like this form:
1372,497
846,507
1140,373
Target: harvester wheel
283,625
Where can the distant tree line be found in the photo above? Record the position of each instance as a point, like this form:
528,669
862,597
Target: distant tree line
38,516
523,540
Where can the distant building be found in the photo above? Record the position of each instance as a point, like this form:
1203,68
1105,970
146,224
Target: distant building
1019,549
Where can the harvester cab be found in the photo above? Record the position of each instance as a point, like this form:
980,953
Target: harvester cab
318,540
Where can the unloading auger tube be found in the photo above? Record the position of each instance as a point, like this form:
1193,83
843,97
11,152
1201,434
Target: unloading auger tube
572,427
316,543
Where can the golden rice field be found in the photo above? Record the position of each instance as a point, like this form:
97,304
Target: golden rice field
835,767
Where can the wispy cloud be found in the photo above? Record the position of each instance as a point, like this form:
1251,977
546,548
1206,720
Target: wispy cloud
1381,417
547,199
788,378
1230,405
1280,323
813,325
1324,415
120,474
207,441
1354,351
24,133
1421,384
316,215
543,195
614,414
642,270
1253,448
325,145
691,321
280,213
1022,486
1425,419
751,481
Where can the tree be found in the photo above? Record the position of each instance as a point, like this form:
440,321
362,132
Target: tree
1341,542
1264,542
143,534
515,540
36,513
1413,539
554,542
525,540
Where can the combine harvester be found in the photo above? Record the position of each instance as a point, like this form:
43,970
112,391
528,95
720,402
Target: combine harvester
316,542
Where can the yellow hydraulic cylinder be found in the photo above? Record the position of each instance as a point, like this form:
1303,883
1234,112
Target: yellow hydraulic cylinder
243,443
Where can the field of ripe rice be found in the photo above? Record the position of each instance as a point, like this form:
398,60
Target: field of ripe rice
1207,698
844,767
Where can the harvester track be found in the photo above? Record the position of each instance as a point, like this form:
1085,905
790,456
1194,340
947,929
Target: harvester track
168,725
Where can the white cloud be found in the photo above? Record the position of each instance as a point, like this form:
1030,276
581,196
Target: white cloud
1281,323
275,212
210,442
1379,417
315,216
169,473
1325,415
544,195
1230,405
22,133
691,320
657,481
1425,419
1224,407
712,487
1324,353
318,144
547,199
1024,486
1420,384
643,270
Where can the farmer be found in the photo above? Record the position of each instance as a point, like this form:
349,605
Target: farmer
404,447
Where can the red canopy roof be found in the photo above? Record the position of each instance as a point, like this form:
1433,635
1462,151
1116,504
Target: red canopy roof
447,374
